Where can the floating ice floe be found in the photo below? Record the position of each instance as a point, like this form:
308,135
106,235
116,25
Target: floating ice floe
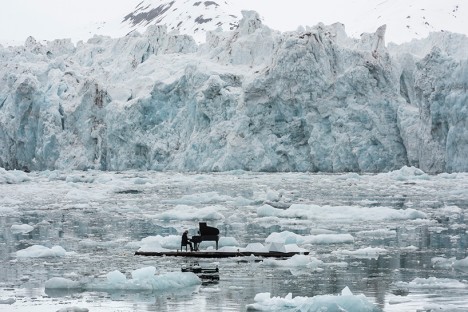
183,212
409,248
142,279
80,178
206,198
442,308
21,228
349,176
39,251
433,283
346,302
346,214
256,247
287,237
12,176
153,244
461,264
86,195
407,173
379,233
259,247
73,309
296,261
103,244
7,301
62,283
363,253
444,263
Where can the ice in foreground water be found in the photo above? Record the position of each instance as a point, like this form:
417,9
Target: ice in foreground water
346,302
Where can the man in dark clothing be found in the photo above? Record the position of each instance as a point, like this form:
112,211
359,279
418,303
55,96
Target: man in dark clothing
186,240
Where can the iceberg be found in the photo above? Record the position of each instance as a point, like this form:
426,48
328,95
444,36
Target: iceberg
39,251
346,302
143,279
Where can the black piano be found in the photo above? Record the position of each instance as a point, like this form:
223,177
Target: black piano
206,233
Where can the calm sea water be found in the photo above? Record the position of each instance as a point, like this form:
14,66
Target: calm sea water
96,214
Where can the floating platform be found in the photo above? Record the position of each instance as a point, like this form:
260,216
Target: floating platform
219,254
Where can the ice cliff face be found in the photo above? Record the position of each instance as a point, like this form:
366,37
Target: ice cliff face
252,99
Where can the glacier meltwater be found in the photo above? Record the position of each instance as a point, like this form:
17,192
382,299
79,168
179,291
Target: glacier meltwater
390,242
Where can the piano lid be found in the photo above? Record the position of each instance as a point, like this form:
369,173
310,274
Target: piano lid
207,230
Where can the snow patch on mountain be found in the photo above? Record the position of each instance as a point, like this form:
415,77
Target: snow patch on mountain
192,17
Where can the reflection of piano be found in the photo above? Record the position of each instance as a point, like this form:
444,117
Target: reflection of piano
207,233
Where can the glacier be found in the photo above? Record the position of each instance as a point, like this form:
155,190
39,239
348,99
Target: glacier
252,99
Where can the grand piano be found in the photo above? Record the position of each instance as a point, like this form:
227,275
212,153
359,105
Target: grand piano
206,233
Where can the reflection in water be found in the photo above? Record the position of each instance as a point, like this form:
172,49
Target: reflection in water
208,275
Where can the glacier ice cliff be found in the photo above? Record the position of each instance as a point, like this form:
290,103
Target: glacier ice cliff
252,99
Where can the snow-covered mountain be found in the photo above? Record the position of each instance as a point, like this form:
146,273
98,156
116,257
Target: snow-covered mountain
405,20
80,20
250,98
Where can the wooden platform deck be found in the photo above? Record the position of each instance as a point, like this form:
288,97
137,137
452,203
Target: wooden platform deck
218,254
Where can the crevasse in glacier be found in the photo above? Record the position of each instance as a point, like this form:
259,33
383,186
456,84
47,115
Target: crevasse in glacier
252,99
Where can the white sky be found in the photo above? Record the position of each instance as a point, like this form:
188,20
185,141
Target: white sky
50,19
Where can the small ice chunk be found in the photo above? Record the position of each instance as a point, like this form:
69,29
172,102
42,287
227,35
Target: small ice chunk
144,273
21,228
276,247
8,301
461,264
24,278
61,283
346,292
256,247
73,309
38,251
363,253
294,248
116,277
296,261
262,297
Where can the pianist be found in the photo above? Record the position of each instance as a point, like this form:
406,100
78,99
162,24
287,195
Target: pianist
186,241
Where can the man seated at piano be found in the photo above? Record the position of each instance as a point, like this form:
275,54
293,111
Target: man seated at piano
186,241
